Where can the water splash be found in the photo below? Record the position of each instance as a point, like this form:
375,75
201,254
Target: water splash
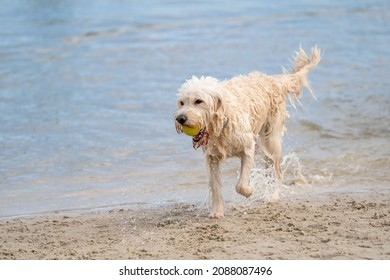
292,169
266,189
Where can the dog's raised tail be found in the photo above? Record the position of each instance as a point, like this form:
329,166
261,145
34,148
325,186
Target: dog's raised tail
297,79
303,63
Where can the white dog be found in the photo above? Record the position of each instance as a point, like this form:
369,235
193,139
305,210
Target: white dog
235,116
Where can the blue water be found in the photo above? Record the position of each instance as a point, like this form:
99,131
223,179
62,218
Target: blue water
88,93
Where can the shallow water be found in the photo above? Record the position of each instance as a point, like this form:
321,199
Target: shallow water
88,92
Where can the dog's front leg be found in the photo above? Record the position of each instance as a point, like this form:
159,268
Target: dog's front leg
216,199
243,186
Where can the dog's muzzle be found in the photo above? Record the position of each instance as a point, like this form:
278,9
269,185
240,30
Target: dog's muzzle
201,139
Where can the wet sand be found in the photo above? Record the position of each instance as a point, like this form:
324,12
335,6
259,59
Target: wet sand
332,227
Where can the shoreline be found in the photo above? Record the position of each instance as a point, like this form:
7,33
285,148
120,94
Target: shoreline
343,226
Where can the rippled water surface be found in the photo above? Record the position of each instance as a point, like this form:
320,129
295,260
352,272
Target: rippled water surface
88,92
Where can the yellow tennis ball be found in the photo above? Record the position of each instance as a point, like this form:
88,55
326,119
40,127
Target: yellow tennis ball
191,131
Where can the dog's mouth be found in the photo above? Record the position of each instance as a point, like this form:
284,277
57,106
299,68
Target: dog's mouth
201,139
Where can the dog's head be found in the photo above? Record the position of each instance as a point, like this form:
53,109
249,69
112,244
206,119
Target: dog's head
200,104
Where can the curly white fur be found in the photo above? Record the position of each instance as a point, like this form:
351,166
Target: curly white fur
240,114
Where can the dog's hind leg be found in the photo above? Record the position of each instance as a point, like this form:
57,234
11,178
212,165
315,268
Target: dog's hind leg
216,199
271,142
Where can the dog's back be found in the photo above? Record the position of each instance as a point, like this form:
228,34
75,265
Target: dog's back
265,95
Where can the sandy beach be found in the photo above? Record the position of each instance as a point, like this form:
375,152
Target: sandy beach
331,227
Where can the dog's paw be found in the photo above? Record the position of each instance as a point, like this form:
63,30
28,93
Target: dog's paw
245,191
216,215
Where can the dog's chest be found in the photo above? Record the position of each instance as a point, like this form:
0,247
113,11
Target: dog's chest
229,146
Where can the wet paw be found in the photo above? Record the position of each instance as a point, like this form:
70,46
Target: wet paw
245,191
216,215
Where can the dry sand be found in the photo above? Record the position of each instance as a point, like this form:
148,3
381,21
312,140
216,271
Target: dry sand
332,227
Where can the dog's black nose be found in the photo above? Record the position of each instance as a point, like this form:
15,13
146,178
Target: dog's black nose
181,119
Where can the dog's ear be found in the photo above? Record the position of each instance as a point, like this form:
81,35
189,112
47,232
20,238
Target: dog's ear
218,117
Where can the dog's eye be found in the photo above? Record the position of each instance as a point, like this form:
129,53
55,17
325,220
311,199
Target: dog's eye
198,101
181,103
